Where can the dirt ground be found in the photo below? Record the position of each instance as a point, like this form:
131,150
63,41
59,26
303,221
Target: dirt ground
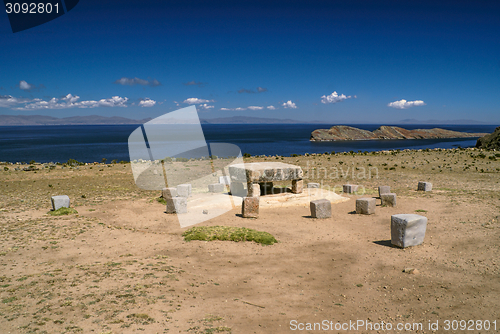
121,265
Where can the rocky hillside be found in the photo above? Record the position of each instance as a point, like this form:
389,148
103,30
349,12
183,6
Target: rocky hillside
491,141
342,132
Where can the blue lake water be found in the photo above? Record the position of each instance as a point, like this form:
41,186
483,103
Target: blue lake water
89,143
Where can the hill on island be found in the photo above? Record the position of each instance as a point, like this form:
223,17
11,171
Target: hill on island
490,141
343,132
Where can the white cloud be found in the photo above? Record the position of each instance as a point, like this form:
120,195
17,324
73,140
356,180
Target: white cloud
136,81
7,101
255,108
24,85
403,104
147,102
289,104
271,107
205,106
70,98
71,101
239,109
226,109
194,100
334,98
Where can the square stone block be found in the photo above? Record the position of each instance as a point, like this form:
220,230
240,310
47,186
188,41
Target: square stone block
312,185
216,187
176,205
297,186
350,188
237,189
424,186
365,206
58,202
184,190
253,190
321,208
225,180
169,192
408,230
388,199
250,207
383,190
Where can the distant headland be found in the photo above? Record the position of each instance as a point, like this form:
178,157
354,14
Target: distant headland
343,132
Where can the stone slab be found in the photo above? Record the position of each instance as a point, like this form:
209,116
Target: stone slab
250,207
225,180
350,188
408,230
264,172
313,185
216,187
61,201
176,205
383,190
321,208
365,206
238,189
424,186
184,190
388,199
169,192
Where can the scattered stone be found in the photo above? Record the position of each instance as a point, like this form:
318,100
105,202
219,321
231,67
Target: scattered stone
365,206
253,190
350,188
184,190
169,192
321,208
250,207
424,186
383,190
176,205
205,212
312,185
411,271
388,199
61,201
297,186
216,187
225,180
408,230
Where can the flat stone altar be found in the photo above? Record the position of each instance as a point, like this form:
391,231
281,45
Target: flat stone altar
264,173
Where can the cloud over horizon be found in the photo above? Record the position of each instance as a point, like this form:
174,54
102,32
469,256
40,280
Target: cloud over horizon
147,102
72,101
24,85
251,91
403,104
334,98
195,100
289,105
136,81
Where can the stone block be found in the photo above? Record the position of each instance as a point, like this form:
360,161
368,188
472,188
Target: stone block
424,186
350,188
253,190
237,189
312,185
184,190
365,206
321,208
388,199
58,202
176,205
297,186
169,192
383,190
408,230
216,187
225,180
250,207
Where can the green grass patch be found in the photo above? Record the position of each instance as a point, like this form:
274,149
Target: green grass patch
420,210
8,300
62,211
228,233
161,200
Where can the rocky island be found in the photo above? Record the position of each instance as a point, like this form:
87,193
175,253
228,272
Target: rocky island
343,132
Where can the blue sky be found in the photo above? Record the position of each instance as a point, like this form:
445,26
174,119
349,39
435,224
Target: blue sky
354,61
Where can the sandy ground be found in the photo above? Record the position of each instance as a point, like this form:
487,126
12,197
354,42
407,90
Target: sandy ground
121,265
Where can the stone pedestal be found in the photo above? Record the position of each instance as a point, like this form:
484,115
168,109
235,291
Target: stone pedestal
365,206
408,230
383,190
250,207
169,192
388,199
321,208
425,186
350,188
176,205
58,202
216,187
253,190
297,186
184,190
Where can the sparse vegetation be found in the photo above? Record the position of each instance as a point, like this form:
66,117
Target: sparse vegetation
228,233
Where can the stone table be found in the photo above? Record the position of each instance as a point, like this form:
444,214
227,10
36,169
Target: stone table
264,174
